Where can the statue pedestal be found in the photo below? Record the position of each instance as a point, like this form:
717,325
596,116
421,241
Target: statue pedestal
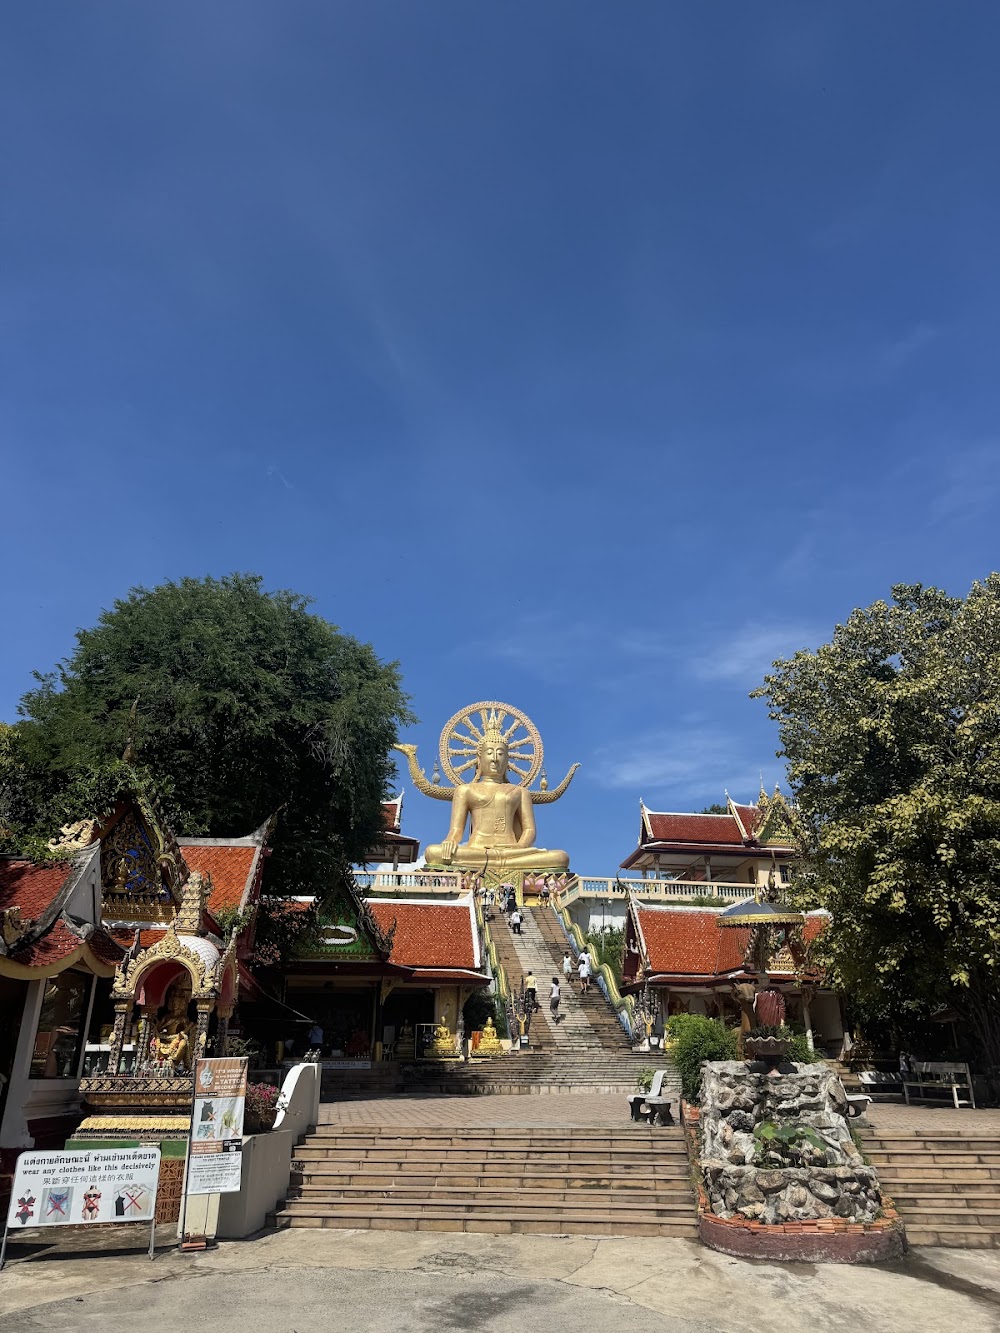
124,1111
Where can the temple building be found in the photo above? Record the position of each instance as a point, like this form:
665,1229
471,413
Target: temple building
394,848
381,975
121,902
54,954
690,962
747,844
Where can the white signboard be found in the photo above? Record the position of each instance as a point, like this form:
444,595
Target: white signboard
53,1189
215,1153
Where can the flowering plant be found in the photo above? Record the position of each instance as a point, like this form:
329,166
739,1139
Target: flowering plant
261,1107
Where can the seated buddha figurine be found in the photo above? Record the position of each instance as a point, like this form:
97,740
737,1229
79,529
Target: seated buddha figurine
501,817
174,1036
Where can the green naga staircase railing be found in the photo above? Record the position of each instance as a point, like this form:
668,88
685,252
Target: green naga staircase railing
497,968
623,1005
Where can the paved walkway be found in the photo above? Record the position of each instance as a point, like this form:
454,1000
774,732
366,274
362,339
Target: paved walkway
941,1119
497,1111
324,1282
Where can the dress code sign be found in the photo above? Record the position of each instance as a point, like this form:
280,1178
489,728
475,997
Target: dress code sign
215,1161
54,1189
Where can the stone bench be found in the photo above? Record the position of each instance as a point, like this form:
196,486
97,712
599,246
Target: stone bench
653,1105
857,1104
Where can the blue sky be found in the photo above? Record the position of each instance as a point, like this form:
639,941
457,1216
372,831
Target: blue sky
581,355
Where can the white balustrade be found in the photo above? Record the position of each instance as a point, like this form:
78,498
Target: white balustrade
588,886
409,881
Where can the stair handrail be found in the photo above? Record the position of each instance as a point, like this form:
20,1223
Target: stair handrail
623,1005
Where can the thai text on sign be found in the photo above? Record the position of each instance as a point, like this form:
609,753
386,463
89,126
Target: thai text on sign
84,1188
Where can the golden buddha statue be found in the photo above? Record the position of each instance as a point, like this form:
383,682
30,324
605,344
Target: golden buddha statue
489,1042
174,1036
500,813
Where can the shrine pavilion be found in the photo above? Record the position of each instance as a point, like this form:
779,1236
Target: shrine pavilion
376,968
691,961
120,896
745,844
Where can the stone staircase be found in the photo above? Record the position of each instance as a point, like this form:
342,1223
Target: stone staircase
604,1024
628,1181
583,1070
541,1035
945,1184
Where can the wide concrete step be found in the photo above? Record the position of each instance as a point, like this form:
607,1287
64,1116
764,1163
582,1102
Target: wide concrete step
959,1174
446,1202
953,1237
547,1135
547,1183
488,1222
922,1138
580,1162
943,1186
954,1216
938,1156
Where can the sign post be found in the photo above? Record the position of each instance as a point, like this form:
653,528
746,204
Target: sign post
84,1188
215,1143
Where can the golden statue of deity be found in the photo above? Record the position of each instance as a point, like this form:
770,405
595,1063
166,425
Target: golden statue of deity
495,740
173,1040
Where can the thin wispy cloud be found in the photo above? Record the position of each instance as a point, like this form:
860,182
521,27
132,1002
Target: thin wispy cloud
969,484
898,352
683,765
541,644
747,654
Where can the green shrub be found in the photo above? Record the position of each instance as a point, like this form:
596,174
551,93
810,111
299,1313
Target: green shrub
644,1079
800,1051
697,1039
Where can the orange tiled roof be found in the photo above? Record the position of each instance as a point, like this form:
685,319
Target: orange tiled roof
712,830
124,937
687,942
59,942
434,935
31,886
392,814
230,869
690,942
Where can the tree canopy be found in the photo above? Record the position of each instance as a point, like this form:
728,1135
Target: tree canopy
248,703
892,735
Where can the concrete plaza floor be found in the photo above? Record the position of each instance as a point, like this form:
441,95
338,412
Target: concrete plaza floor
307,1281
583,1109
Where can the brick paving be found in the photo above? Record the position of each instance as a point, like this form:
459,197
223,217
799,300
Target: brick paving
941,1119
537,1111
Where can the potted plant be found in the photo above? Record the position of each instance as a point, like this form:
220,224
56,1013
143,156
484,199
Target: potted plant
768,1041
261,1108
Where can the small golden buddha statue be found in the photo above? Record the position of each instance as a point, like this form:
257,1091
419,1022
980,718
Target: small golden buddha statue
489,1042
443,1045
174,1036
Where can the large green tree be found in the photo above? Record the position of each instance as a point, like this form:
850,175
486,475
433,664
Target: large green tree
248,703
892,735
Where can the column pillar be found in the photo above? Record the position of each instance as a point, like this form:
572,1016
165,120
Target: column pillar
222,1031
204,1008
123,1009
807,994
146,1020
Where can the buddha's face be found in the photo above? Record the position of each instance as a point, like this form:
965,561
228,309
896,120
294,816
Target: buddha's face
492,756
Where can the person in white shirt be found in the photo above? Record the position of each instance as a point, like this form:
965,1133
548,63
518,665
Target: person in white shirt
554,1000
584,972
515,921
567,966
